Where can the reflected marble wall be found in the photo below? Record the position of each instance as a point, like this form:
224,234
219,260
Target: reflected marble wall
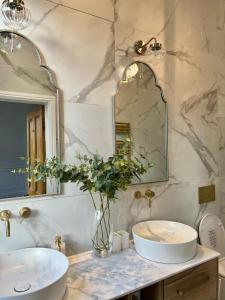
139,102
85,43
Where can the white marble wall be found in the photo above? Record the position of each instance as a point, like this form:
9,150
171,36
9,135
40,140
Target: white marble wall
192,77
84,42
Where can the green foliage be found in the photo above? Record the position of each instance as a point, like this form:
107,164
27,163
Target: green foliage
93,174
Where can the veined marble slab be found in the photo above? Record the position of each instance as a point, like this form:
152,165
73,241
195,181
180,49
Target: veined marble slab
92,278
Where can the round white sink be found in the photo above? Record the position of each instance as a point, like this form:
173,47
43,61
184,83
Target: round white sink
33,274
165,241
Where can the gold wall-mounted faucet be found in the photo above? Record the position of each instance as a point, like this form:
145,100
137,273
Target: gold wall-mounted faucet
58,243
5,215
149,194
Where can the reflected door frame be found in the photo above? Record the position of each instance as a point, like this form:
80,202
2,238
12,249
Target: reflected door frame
51,128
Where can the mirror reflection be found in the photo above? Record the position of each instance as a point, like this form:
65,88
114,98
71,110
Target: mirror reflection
23,125
141,115
29,109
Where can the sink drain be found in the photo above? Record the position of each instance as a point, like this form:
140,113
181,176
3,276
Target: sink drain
21,288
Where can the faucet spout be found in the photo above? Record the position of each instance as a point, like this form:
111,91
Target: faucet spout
58,242
7,229
5,216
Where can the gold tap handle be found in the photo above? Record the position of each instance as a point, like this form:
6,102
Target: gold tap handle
138,195
25,212
149,194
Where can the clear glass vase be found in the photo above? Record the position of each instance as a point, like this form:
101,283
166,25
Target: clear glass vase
102,230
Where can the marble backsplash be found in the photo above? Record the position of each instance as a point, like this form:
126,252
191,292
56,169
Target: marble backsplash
88,44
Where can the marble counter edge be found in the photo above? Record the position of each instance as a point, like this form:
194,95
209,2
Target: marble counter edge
203,255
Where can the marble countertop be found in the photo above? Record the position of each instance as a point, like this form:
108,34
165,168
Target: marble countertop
92,278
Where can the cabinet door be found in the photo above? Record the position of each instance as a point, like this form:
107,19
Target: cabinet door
153,292
128,297
200,283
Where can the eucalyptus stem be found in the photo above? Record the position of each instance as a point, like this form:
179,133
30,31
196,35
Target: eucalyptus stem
102,203
109,218
99,227
103,242
93,200
100,221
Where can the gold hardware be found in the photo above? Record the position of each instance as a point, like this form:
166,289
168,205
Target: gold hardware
141,48
138,195
58,242
206,194
5,215
180,292
25,212
149,194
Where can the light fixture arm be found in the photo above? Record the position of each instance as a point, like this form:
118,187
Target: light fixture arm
148,42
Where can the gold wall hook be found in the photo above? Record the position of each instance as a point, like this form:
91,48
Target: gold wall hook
5,215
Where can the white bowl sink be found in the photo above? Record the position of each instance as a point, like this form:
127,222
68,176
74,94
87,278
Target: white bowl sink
165,241
33,274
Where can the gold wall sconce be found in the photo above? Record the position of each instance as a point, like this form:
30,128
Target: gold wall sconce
149,194
153,45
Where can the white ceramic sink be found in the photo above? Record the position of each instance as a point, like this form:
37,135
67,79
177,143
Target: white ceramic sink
33,274
165,241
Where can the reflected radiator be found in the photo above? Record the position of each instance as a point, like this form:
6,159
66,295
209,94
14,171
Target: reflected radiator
122,133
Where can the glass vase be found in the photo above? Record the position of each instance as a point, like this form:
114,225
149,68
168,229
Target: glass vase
102,233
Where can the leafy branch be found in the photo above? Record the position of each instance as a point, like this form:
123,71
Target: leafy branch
93,174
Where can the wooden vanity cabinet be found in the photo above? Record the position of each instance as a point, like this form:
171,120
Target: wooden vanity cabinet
199,283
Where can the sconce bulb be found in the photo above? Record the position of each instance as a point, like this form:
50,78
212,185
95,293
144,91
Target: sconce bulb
15,15
157,53
9,43
155,46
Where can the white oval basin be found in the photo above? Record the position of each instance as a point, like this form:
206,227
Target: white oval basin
33,274
165,241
